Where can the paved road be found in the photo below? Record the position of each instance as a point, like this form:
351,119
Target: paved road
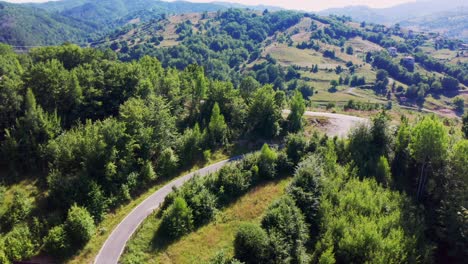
115,243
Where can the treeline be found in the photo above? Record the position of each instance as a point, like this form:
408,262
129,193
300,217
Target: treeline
330,213
96,132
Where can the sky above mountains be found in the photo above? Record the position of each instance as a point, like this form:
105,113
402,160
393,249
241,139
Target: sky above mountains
309,5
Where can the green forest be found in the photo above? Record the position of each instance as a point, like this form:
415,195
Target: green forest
84,132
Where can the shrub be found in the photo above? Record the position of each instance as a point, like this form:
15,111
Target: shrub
167,162
232,181
251,244
287,230
305,189
57,242
267,162
296,147
147,172
383,173
79,226
19,209
207,155
199,198
18,243
177,219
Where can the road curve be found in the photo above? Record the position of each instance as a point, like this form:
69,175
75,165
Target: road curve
340,124
115,244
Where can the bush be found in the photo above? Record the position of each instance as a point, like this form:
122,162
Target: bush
305,189
199,198
267,162
251,244
79,226
296,147
231,181
177,219
207,155
167,162
383,173
18,243
57,242
287,231
19,209
147,172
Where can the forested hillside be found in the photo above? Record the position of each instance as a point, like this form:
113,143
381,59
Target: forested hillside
81,21
92,132
325,57
88,133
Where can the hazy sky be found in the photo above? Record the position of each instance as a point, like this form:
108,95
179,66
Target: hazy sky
294,4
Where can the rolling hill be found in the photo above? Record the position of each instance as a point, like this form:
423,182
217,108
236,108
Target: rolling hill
317,50
421,14
79,21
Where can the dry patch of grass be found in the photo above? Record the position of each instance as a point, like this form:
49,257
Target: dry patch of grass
204,243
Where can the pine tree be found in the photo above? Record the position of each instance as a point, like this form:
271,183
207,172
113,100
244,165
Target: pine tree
217,127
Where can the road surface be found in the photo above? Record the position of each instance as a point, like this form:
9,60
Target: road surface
115,243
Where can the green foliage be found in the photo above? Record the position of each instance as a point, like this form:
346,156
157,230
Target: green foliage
295,118
232,181
18,243
217,128
465,126
267,162
19,209
177,220
287,230
296,147
147,172
79,226
452,212
429,141
264,114
306,189
251,244
354,228
57,242
368,143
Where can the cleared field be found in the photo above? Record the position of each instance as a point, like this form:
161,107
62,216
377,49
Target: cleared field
361,45
293,56
204,243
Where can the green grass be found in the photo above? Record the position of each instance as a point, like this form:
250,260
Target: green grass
203,244
294,56
29,186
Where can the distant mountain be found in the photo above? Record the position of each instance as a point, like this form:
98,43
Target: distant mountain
452,23
419,14
78,20
28,26
397,13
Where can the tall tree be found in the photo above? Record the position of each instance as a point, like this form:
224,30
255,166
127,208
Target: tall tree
217,128
429,142
264,113
295,118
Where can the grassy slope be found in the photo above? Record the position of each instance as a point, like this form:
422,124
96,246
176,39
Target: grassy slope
204,243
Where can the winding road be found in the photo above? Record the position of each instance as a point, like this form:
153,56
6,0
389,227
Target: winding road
115,243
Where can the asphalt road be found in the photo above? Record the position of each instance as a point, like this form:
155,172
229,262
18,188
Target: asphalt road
115,243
